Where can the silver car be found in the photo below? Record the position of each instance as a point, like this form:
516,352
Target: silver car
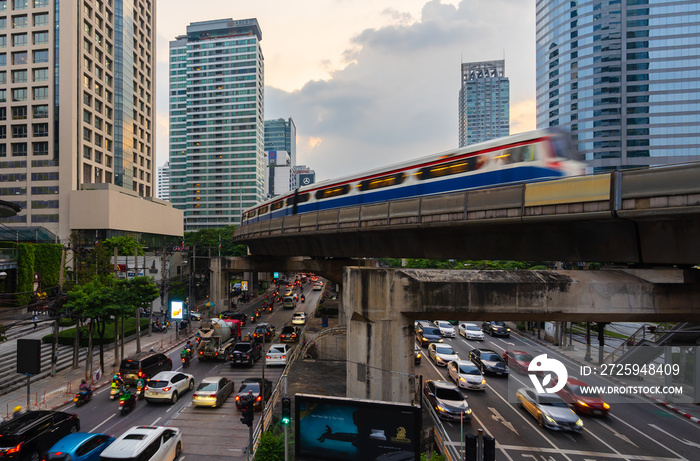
168,386
466,375
212,391
442,354
549,410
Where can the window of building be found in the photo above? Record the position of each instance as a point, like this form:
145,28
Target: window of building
3,98
41,38
19,94
19,113
41,111
40,93
3,23
41,3
3,77
41,19
19,149
41,75
40,130
19,39
41,56
87,152
19,76
20,58
19,22
3,41
3,132
19,4
87,134
40,148
19,131
3,5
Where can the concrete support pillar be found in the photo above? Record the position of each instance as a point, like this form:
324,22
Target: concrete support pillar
218,285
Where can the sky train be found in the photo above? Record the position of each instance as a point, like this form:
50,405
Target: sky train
533,156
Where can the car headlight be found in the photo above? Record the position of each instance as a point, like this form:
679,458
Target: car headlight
468,412
606,406
440,408
579,423
483,381
461,378
550,419
507,329
582,403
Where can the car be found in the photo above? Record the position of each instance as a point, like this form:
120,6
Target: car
447,400
252,386
586,403
212,391
79,446
289,302
417,354
154,443
245,352
446,328
442,354
518,360
264,332
168,386
471,331
234,315
299,318
30,435
427,335
289,333
195,316
496,329
318,286
466,375
549,410
277,354
143,365
489,361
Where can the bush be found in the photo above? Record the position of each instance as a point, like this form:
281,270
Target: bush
67,337
271,445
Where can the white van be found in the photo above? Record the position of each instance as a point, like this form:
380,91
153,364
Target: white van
145,443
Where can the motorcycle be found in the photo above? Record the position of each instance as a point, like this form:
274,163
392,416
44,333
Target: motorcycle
126,404
269,307
82,397
303,299
253,317
114,393
185,361
139,392
158,328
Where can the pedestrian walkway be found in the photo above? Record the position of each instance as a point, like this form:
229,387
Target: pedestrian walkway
580,353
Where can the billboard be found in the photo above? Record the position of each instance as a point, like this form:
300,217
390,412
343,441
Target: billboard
176,308
336,428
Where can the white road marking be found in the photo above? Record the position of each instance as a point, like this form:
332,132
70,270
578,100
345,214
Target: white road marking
585,453
648,437
617,434
103,422
684,441
498,418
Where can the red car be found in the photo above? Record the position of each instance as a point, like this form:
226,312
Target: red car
519,360
586,403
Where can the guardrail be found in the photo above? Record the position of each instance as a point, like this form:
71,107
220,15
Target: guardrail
441,437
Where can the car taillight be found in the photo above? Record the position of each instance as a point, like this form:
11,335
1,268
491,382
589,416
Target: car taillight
238,398
259,398
15,449
268,357
283,357
166,389
212,395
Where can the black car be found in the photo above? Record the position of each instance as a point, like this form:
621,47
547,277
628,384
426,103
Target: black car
233,315
426,335
143,365
489,361
496,328
252,386
245,352
29,436
264,331
447,400
289,334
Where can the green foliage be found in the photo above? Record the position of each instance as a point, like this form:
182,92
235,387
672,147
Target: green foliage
47,262
271,445
210,238
125,244
137,292
67,337
25,271
433,457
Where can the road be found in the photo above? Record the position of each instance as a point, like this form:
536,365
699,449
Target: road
638,430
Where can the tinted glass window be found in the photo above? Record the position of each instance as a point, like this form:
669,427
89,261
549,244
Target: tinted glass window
491,357
448,394
207,387
130,365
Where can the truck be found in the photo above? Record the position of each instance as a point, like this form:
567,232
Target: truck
214,340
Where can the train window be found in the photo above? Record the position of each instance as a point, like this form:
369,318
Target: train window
456,167
518,154
300,198
277,205
384,181
262,210
332,192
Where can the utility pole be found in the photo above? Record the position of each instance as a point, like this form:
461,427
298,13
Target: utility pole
138,311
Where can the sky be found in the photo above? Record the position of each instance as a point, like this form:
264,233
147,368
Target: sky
368,83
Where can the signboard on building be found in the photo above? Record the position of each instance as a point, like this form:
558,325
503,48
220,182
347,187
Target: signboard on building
305,179
244,285
176,310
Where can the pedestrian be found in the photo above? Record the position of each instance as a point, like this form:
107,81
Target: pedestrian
35,320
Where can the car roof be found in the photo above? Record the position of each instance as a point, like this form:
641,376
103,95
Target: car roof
485,350
28,419
211,379
464,363
165,375
444,384
72,440
518,352
137,436
469,323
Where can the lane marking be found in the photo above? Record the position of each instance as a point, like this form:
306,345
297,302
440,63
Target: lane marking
684,441
103,422
617,434
647,436
496,416
586,453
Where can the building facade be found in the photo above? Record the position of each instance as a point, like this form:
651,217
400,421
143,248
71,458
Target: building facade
305,176
622,77
280,177
76,115
484,102
281,134
217,161
164,182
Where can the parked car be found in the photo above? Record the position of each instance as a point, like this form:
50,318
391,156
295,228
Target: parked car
549,410
586,403
212,391
30,435
442,354
143,365
152,443
299,318
195,316
277,354
417,354
289,334
168,386
489,361
447,401
471,331
257,387
79,446
264,331
427,335
245,352
519,360
496,328
466,375
446,328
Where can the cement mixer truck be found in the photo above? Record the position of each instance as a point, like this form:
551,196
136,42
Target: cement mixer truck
214,340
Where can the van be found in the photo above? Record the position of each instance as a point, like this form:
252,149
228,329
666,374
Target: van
143,365
30,435
153,443
288,302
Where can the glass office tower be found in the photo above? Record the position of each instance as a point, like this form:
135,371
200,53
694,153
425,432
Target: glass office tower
217,161
622,76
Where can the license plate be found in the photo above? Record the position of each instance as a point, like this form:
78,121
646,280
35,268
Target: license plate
499,373
151,394
597,412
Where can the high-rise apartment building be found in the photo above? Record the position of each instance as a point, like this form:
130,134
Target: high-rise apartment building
281,134
484,102
279,178
622,77
217,161
76,117
164,182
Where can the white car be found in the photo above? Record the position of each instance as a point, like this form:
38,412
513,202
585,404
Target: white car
299,318
471,331
277,354
168,386
318,286
466,375
442,354
155,443
446,328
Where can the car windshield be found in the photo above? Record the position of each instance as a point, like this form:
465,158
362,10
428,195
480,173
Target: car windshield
253,387
473,328
500,324
445,350
491,357
129,365
444,324
431,331
523,357
469,370
550,401
448,394
206,387
241,347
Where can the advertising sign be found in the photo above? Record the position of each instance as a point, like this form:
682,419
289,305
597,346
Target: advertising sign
336,428
244,285
275,275
176,308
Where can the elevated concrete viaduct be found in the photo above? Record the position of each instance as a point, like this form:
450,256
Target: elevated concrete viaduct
380,305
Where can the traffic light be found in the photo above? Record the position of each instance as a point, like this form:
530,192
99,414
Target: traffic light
286,411
247,412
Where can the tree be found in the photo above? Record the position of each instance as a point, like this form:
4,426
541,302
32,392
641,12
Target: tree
125,244
138,293
210,238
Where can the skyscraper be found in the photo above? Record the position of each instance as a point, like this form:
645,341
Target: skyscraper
622,77
76,118
217,161
281,134
484,102
164,182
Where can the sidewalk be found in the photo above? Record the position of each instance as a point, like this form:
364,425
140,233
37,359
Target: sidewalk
577,353
54,391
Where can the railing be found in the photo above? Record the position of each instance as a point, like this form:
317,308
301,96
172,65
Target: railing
441,438
649,332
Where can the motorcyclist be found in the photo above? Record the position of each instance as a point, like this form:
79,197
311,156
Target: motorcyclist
189,346
85,387
127,396
303,298
140,383
185,354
